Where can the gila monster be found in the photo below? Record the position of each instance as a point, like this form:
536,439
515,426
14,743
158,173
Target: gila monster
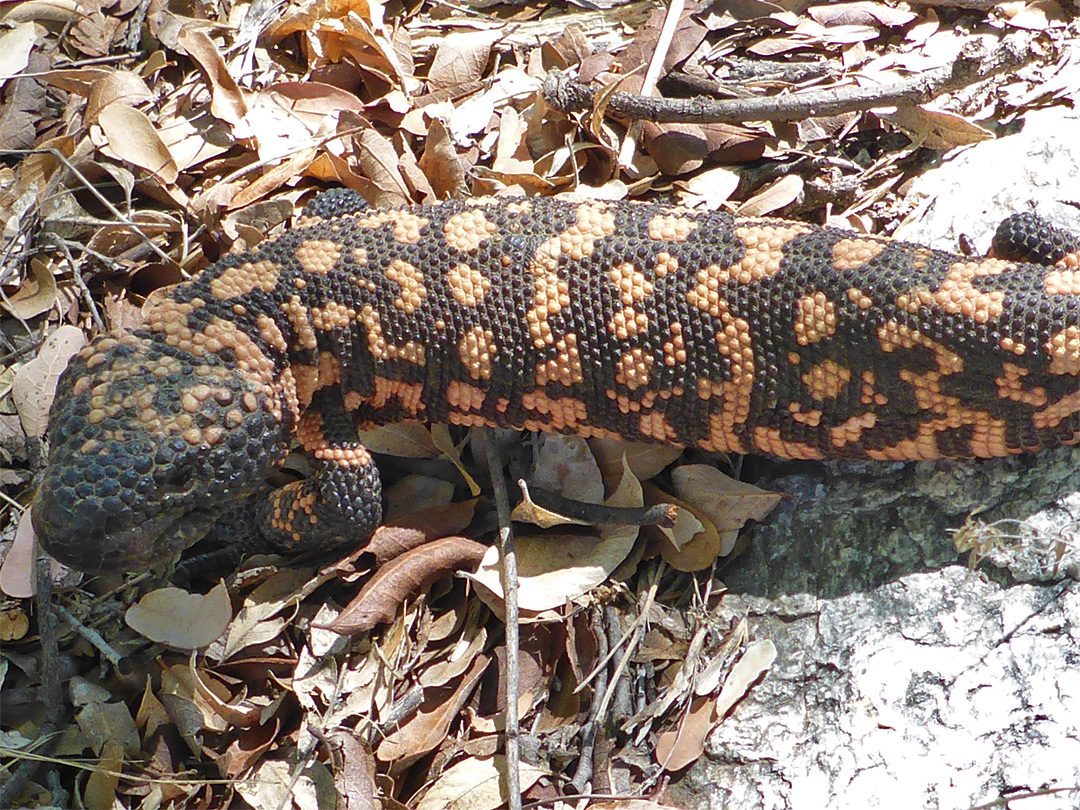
630,320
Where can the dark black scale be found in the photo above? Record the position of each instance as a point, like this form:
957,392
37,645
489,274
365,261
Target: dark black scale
335,202
1027,237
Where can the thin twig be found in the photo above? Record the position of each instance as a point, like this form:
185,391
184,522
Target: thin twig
92,636
973,65
661,514
652,73
80,282
52,695
635,634
101,198
513,645
639,622
583,774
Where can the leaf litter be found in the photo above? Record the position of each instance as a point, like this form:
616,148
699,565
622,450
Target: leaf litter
164,137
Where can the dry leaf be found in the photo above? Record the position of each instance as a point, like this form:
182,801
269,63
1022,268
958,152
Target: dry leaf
396,537
565,465
753,663
132,137
708,189
34,385
682,747
273,784
36,295
938,129
476,784
405,440
193,137
226,98
61,11
100,790
109,722
404,577
861,13
176,618
646,459
258,620
773,197
17,568
554,569
693,543
416,492
440,437
440,163
15,47
379,160
440,672
726,502
118,86
461,58
426,730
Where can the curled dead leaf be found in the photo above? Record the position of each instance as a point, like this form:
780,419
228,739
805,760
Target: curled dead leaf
36,295
417,528
226,98
693,543
398,580
233,713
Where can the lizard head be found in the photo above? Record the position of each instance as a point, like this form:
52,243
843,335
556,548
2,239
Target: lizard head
149,446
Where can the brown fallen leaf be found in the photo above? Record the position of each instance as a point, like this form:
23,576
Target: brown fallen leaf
460,58
417,528
412,572
100,790
680,747
693,543
227,100
36,295
440,163
726,502
132,137
773,197
355,780
17,568
479,784
378,159
123,86
938,129
427,728
248,748
176,618
754,663
15,47
553,569
34,384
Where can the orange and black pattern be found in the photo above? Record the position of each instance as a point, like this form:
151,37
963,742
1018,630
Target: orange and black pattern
627,320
